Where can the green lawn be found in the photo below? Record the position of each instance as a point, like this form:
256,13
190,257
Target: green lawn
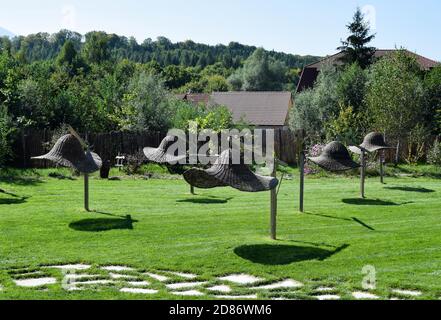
157,226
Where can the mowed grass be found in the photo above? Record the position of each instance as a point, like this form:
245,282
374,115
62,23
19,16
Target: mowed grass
158,225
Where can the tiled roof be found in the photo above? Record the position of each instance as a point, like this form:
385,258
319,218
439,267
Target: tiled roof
256,108
424,62
310,72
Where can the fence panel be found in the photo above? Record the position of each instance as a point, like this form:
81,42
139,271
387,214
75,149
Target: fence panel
108,145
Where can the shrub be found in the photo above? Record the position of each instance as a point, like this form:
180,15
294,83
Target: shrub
5,135
313,151
434,155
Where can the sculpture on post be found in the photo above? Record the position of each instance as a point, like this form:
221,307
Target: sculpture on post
334,157
71,151
224,173
161,155
373,142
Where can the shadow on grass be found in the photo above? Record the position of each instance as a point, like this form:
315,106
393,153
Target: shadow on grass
12,201
371,202
15,200
103,224
20,177
411,189
205,200
352,219
362,223
268,254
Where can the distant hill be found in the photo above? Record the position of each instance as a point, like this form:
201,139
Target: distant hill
5,32
43,46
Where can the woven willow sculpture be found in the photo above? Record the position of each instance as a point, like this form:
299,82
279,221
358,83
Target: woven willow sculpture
161,154
373,142
334,157
224,173
69,151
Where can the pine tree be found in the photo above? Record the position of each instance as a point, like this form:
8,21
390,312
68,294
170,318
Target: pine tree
355,47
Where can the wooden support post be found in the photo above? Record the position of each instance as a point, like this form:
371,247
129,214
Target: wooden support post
86,192
273,219
381,166
191,189
302,179
362,172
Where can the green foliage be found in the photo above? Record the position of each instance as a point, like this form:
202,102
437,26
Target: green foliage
6,129
260,73
146,105
395,94
43,46
185,112
96,49
345,127
355,46
315,107
351,87
177,76
68,54
432,84
416,144
215,118
434,156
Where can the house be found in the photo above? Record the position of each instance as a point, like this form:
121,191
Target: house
311,71
259,109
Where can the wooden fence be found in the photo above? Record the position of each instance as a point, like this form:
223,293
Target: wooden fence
32,142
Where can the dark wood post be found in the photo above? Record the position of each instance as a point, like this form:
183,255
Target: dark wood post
302,179
273,218
191,189
362,172
86,192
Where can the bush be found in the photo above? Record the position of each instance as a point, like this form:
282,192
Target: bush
434,155
317,106
313,151
5,136
346,127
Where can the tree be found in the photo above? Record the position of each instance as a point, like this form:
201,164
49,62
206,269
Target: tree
315,107
260,73
146,106
216,83
177,76
68,54
6,129
96,47
395,96
345,127
432,86
355,47
351,87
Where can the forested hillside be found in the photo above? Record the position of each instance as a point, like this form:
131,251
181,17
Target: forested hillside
44,46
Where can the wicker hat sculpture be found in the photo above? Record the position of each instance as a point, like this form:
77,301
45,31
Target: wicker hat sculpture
374,141
161,154
224,173
69,151
335,157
